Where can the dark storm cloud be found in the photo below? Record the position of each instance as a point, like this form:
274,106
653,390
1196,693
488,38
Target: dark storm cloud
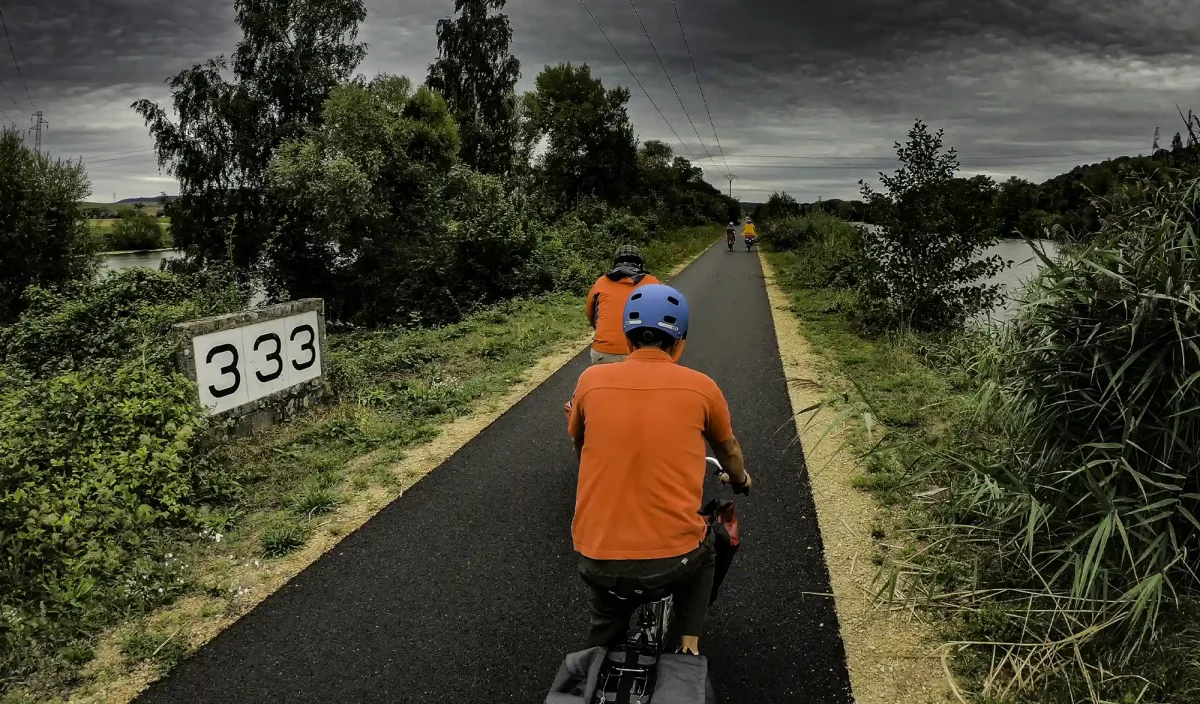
840,81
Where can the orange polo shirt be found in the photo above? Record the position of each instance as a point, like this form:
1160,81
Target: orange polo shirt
606,310
641,474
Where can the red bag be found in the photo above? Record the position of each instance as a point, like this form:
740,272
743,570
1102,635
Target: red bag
722,522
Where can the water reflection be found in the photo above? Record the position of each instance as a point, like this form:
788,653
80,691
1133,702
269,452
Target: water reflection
128,260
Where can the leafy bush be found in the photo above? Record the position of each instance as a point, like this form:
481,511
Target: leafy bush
126,315
922,268
778,206
134,231
1082,483
94,466
44,234
361,198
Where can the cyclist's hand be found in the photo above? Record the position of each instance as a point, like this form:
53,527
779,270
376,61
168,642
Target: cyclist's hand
737,488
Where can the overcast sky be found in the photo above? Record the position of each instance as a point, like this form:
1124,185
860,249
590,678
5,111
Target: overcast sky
807,96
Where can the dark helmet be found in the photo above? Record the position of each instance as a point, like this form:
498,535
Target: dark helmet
628,253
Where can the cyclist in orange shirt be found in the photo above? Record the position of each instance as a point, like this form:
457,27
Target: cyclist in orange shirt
606,300
639,429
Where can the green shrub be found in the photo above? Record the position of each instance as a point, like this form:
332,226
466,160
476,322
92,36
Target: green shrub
134,231
44,235
830,247
922,268
126,315
94,466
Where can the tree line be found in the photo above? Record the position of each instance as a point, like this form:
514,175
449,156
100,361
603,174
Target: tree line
393,199
1071,205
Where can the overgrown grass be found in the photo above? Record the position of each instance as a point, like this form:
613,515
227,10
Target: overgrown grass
1037,486
396,388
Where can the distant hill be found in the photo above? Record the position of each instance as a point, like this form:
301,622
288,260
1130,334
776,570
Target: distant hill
151,200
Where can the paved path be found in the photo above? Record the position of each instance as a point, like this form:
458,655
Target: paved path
464,589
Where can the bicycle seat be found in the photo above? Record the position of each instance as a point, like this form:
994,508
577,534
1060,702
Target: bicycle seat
626,590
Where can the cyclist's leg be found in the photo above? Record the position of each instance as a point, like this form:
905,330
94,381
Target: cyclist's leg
691,596
609,615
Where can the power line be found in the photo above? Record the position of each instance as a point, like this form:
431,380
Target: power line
893,158
10,95
135,151
635,79
702,96
879,166
668,75
118,158
106,164
15,63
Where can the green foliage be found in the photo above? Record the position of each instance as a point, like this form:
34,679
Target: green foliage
673,192
94,466
591,149
291,56
1096,387
830,247
285,538
778,206
126,315
379,221
477,76
44,235
135,231
921,269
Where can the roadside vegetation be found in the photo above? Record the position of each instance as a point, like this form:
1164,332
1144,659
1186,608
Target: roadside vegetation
1037,480
449,259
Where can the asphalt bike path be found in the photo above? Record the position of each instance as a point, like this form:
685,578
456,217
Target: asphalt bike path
465,590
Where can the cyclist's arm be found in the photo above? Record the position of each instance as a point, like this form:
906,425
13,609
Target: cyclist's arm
718,432
593,305
575,425
729,454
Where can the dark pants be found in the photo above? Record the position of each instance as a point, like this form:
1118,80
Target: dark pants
688,578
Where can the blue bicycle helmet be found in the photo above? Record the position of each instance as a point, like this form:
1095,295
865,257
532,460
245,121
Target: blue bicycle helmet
657,307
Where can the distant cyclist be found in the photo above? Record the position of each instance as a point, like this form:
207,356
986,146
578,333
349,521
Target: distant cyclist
639,429
730,236
607,300
748,230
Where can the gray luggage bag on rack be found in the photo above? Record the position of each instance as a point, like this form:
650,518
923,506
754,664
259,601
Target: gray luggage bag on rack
682,679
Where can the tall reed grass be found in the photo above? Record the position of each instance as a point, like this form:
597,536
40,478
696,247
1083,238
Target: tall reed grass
1066,532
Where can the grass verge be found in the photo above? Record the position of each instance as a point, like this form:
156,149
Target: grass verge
889,652
411,398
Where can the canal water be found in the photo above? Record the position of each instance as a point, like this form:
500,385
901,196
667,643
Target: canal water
128,260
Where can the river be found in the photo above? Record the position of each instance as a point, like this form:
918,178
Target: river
152,259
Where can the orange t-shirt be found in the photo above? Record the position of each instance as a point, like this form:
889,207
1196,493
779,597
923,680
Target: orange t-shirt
641,474
606,308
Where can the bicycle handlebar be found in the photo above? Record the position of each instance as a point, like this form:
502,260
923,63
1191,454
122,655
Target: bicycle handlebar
743,490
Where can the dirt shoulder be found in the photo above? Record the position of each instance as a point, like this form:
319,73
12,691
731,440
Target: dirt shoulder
890,654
